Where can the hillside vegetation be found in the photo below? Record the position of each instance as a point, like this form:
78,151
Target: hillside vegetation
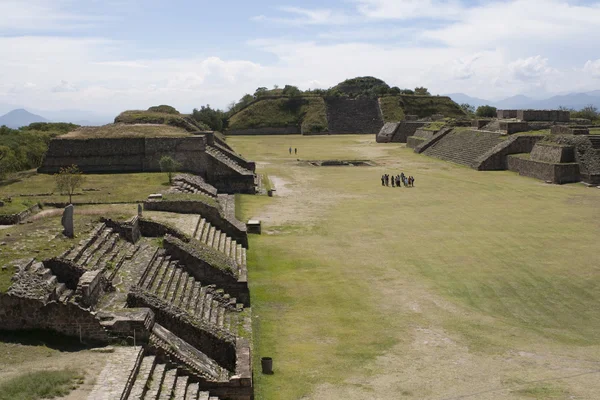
424,106
309,113
126,130
24,148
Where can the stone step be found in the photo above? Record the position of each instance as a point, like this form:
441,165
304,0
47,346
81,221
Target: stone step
175,286
104,251
203,396
77,251
113,381
228,247
180,387
192,392
211,236
184,293
166,391
163,290
155,382
142,377
200,228
206,306
66,295
222,243
148,276
94,247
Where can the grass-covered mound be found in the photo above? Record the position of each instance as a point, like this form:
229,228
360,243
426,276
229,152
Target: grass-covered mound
307,112
425,106
390,109
170,118
126,130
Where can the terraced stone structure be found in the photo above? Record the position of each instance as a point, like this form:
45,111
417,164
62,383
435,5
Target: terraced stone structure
199,154
398,132
360,115
185,304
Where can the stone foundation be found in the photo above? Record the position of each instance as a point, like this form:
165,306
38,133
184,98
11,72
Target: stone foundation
548,172
569,130
511,127
353,116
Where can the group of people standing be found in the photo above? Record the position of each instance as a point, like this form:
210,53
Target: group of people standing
398,180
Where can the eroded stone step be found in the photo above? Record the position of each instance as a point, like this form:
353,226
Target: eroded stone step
142,377
192,392
166,390
164,288
180,388
175,287
155,382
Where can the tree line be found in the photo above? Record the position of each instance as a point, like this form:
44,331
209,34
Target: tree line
588,112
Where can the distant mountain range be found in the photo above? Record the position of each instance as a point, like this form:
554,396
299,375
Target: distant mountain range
20,117
571,100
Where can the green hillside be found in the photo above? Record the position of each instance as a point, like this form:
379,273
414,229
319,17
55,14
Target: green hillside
424,106
307,112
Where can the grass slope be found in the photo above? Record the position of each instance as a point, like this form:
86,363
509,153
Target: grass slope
153,117
424,106
40,385
309,113
390,109
360,291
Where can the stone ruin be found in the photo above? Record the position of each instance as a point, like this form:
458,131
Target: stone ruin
184,304
515,121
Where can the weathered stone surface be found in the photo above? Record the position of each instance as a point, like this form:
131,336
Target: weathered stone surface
544,115
353,116
511,127
569,130
155,196
548,172
115,375
254,226
140,211
552,153
67,221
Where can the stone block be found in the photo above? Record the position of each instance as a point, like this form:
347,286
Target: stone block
155,196
511,127
67,221
480,123
506,114
568,130
411,117
254,226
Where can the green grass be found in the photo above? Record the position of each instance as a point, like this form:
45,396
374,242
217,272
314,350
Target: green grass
16,205
543,392
97,188
498,262
40,385
390,109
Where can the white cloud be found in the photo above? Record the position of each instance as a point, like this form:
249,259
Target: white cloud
410,9
531,68
592,68
64,86
305,16
38,15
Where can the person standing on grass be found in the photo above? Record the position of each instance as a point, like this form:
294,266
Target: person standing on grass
398,180
290,149
382,180
295,150
393,182
412,181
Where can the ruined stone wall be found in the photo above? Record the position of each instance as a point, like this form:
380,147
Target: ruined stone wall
13,219
124,154
353,116
285,130
18,313
66,271
548,172
405,130
209,266
249,165
511,127
218,219
506,114
553,153
569,130
218,345
496,158
544,115
226,178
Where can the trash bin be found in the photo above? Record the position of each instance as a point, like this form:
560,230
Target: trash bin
267,365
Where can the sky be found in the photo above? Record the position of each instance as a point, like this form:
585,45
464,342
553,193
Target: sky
112,55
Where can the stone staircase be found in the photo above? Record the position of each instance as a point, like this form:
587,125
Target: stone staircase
167,279
595,140
102,250
463,147
34,277
222,157
213,237
159,381
192,184
354,116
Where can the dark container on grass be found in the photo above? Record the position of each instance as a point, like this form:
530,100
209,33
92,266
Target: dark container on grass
267,365
270,193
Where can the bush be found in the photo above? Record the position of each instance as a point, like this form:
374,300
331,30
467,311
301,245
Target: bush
170,166
164,109
588,112
486,111
216,120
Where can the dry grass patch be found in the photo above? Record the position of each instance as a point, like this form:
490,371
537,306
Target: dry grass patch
125,130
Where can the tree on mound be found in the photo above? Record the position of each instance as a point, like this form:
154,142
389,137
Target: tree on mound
486,111
362,86
68,180
170,166
164,109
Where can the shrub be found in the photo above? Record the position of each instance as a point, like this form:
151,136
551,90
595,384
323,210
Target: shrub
486,111
170,166
164,109
68,180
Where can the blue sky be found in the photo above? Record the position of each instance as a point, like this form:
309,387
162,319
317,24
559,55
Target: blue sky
109,55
